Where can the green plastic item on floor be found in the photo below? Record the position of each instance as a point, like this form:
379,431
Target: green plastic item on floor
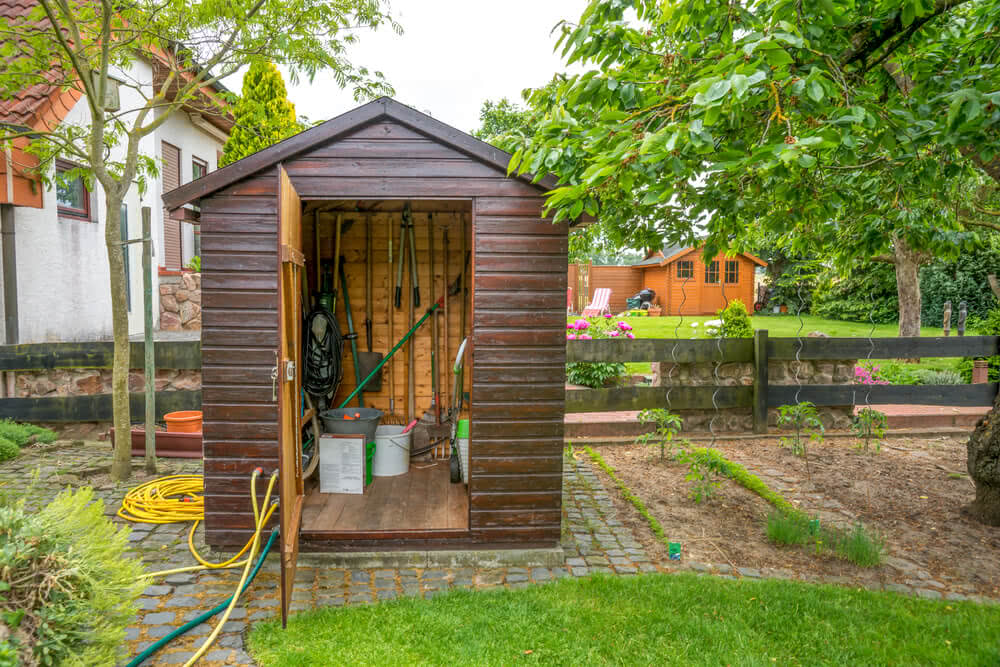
463,429
369,462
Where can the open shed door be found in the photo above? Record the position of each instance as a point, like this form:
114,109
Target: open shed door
291,263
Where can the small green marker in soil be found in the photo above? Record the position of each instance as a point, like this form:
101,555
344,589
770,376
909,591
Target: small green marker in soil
814,526
674,550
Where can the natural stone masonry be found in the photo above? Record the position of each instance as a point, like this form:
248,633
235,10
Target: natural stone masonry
77,382
180,302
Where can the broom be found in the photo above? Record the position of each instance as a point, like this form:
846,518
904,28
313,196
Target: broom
390,417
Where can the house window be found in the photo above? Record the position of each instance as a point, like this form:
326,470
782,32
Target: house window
712,273
72,196
198,168
732,271
685,269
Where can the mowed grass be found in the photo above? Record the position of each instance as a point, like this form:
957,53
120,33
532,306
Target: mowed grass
777,326
654,619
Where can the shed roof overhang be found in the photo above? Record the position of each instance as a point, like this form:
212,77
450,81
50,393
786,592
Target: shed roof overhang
384,108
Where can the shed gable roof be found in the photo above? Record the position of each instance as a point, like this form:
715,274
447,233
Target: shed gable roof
670,254
341,127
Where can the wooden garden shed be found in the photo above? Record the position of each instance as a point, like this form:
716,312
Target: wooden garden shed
685,284
263,220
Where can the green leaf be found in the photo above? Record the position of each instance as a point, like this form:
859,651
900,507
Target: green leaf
717,90
815,91
740,84
807,161
778,58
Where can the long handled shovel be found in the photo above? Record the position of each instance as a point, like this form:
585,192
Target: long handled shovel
351,334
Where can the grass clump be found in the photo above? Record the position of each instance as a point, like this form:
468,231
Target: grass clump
25,434
655,619
857,544
8,450
790,528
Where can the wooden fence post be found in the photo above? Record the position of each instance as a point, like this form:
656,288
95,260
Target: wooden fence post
760,381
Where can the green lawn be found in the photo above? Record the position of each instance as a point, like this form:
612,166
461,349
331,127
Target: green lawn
777,326
647,620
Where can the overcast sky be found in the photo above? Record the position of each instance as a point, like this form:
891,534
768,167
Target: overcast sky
452,55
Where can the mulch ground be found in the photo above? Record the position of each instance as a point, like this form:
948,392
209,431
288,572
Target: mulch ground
911,493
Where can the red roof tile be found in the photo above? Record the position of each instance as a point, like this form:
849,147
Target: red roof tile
25,108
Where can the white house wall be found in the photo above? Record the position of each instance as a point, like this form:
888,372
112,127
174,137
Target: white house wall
62,267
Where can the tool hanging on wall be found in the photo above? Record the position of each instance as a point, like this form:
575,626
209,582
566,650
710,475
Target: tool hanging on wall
411,373
455,413
336,261
415,280
435,341
392,417
447,323
464,285
370,359
351,333
399,265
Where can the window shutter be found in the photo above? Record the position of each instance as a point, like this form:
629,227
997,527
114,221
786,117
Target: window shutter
171,228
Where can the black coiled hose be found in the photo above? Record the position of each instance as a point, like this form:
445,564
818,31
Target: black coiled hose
322,354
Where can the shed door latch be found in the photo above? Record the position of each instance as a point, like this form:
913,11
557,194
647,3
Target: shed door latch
289,371
274,383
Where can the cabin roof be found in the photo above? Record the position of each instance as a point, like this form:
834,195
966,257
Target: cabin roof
670,254
384,108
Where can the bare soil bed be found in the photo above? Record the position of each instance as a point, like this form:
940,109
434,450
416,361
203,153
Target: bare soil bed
911,493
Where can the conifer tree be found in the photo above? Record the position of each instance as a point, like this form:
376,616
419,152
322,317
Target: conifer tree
264,115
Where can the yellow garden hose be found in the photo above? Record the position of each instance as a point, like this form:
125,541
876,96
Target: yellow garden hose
178,498
174,499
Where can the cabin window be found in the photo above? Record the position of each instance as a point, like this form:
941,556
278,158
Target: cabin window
72,195
712,273
685,269
732,272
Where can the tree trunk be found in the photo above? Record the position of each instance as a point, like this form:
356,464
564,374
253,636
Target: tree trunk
907,262
983,460
121,464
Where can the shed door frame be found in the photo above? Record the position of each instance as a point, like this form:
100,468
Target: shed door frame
460,535
291,263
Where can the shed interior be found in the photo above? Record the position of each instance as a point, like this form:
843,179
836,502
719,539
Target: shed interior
422,500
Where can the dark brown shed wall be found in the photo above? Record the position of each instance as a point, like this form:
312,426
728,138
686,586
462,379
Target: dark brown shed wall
518,379
518,327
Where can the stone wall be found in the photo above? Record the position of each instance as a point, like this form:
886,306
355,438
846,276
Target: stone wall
76,382
667,374
180,302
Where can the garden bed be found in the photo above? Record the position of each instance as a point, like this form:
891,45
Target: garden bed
911,493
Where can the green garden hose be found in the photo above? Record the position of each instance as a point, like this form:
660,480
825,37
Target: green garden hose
139,659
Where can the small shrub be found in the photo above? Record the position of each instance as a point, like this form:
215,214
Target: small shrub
194,264
702,473
8,450
667,426
789,528
68,591
989,326
735,321
21,434
869,425
808,428
596,374
932,376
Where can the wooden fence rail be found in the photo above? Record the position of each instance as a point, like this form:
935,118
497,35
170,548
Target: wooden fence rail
170,354
762,395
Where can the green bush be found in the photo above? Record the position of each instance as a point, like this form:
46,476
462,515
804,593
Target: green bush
867,294
21,434
8,451
790,528
67,591
597,374
735,321
931,376
961,279
988,326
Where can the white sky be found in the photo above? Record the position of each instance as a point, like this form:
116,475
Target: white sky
452,56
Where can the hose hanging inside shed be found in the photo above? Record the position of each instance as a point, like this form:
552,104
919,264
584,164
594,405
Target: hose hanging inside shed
322,351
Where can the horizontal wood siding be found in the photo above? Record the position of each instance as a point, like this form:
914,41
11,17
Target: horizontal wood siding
518,395
239,337
519,301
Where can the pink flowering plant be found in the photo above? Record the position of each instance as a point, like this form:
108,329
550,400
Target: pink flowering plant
603,373
866,375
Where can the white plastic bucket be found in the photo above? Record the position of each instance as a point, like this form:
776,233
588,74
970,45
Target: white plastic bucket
392,451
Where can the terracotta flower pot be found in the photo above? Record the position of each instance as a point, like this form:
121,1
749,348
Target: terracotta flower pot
183,421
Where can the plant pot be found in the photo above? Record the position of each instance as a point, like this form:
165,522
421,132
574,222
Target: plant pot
783,309
168,445
183,421
654,311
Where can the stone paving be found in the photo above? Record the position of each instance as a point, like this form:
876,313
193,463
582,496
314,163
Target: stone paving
593,541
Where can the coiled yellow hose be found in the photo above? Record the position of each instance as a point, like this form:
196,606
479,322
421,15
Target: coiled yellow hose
174,499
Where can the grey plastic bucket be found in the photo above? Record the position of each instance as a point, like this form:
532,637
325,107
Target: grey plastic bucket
366,421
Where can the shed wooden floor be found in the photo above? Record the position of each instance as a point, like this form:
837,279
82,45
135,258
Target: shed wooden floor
422,499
